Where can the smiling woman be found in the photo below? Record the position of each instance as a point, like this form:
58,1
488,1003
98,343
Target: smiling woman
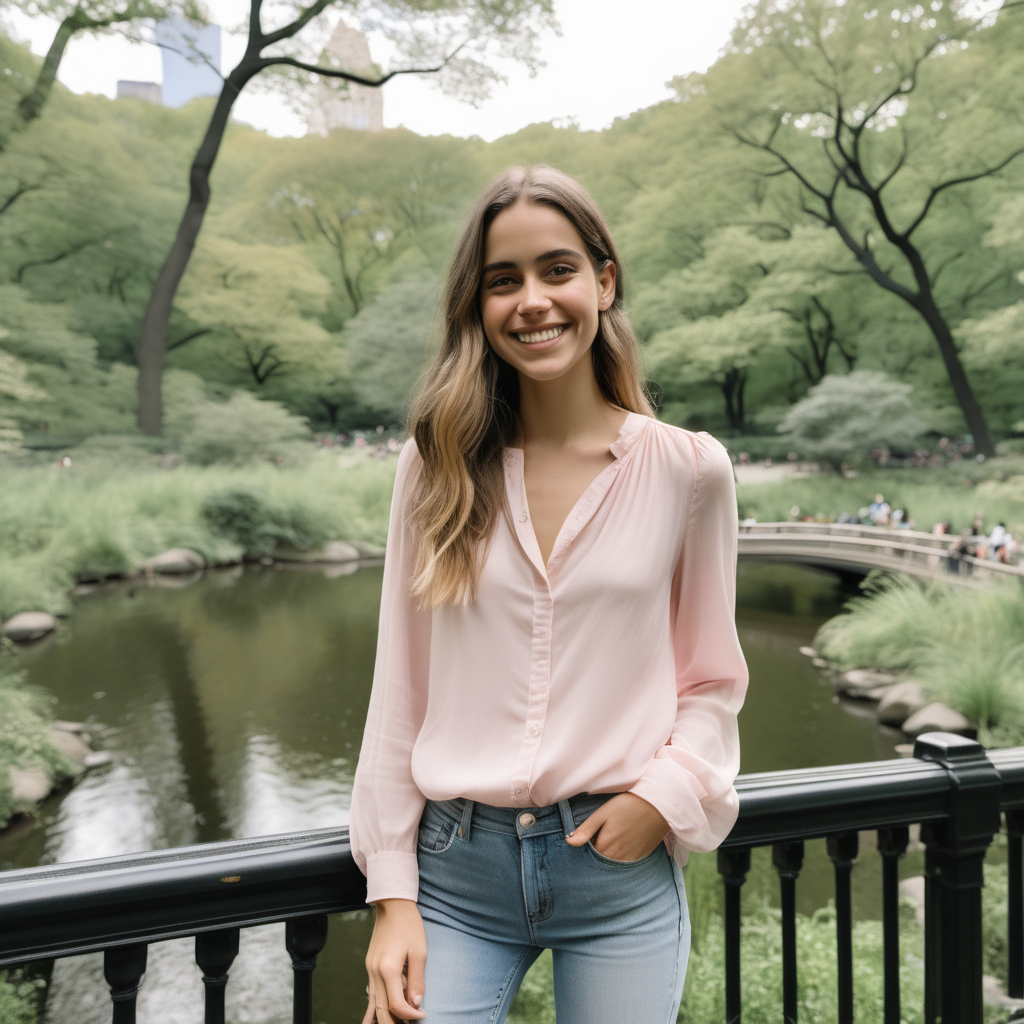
552,726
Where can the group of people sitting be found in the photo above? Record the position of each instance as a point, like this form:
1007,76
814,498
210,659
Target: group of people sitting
999,545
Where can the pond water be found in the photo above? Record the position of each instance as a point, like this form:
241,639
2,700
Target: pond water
234,707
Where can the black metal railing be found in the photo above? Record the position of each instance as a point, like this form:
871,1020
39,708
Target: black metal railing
951,787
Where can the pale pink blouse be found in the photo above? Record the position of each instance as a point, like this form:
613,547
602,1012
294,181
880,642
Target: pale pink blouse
614,667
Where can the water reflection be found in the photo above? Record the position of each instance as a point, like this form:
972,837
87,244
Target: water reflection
234,707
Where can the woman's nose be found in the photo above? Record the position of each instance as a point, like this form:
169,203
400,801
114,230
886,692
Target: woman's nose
533,298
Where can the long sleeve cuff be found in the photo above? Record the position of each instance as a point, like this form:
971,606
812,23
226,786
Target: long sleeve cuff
699,820
391,874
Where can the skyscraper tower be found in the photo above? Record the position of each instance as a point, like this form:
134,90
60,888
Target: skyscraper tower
358,106
185,79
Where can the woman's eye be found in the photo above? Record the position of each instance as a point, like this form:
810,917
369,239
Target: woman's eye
562,271
500,282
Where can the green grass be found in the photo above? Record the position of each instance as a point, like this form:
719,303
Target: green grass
965,647
995,489
60,526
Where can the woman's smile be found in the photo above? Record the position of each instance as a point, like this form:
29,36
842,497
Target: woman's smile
539,337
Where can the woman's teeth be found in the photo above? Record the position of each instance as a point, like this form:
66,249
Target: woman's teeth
537,336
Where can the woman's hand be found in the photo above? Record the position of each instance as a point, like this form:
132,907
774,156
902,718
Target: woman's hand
395,962
630,828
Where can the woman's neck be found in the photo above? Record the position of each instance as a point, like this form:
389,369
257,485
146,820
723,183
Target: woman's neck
566,411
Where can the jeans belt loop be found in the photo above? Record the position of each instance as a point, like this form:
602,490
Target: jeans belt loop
567,819
467,817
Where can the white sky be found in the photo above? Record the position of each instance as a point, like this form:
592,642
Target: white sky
614,57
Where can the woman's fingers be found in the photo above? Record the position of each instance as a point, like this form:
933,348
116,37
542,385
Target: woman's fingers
415,984
397,1004
371,1008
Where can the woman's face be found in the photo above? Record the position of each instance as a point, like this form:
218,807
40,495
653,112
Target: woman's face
539,292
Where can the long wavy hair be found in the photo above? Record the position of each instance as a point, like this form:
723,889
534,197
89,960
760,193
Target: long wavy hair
464,415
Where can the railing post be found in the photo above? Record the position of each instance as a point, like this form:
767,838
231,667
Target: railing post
842,851
304,938
733,865
123,967
955,874
892,845
788,859
1015,908
215,953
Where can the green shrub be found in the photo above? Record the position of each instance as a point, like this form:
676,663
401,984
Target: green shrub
259,526
241,430
18,998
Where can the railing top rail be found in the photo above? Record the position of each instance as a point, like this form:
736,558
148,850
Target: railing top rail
66,909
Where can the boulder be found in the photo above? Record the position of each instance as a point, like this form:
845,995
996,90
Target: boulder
26,626
73,747
334,552
900,702
29,786
819,663
937,718
177,560
75,727
859,682
913,889
98,758
808,652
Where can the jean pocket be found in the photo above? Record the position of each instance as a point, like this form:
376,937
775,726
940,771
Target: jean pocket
602,859
436,832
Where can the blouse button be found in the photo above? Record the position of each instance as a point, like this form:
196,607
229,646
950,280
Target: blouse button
527,820
523,516
518,792
534,729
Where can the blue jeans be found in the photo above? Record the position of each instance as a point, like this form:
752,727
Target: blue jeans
500,884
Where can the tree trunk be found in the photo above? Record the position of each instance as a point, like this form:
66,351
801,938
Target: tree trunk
31,104
153,336
733,385
969,406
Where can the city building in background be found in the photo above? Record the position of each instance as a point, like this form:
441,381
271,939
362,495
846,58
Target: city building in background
149,91
357,106
184,78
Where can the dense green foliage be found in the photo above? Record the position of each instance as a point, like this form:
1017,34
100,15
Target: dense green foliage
963,646
18,999
95,519
314,279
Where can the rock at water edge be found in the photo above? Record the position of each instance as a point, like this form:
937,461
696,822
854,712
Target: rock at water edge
334,552
177,560
26,626
808,652
73,747
859,682
937,718
900,702
29,786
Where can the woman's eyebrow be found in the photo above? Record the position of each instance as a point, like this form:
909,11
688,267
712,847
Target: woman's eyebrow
553,254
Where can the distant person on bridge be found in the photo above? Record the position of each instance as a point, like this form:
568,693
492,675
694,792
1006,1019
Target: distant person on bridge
552,725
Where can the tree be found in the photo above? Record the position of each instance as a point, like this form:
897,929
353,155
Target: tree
388,343
853,415
76,16
257,306
746,299
457,29
880,116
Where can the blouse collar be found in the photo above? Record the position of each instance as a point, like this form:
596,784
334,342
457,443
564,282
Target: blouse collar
629,433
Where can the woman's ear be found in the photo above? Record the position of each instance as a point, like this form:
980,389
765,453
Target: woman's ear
606,286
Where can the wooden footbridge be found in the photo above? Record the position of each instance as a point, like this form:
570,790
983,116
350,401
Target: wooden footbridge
859,549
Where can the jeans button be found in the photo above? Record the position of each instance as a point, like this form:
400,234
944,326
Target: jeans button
527,820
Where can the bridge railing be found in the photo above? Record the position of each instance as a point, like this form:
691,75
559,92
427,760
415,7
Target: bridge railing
951,787
862,547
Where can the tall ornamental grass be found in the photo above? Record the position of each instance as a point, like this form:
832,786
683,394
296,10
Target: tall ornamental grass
965,647
59,526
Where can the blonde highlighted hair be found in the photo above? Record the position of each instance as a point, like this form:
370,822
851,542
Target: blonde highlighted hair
465,413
